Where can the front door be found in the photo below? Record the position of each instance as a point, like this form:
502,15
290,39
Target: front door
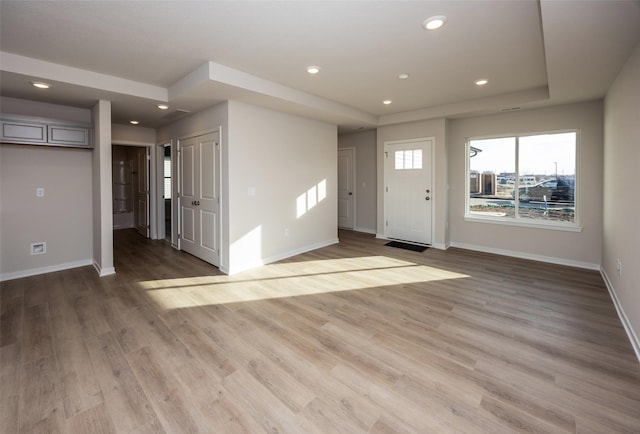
408,190
346,188
199,197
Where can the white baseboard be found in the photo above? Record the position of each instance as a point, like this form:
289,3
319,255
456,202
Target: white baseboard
440,246
104,271
365,230
43,270
264,261
633,337
521,255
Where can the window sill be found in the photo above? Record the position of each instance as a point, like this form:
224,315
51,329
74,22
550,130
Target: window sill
526,223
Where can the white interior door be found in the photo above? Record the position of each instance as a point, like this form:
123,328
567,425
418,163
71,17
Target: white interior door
199,197
408,190
141,191
346,188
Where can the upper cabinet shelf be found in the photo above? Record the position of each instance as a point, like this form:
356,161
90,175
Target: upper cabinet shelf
18,129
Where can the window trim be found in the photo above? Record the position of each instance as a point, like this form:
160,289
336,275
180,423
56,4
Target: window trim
518,221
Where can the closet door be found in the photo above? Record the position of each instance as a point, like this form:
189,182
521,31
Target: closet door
200,197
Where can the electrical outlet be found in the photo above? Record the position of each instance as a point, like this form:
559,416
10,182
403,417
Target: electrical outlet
39,192
38,248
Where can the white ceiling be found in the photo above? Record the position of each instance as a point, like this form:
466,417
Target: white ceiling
196,54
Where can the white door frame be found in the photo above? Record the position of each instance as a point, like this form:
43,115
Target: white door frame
161,233
355,183
431,180
152,205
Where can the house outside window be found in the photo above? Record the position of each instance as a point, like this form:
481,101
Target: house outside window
523,179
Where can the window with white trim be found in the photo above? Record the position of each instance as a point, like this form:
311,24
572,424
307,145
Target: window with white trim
408,159
529,179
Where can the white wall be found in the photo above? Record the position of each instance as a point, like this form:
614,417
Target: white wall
132,135
268,159
365,179
273,160
44,110
571,248
206,121
422,129
102,190
62,218
621,227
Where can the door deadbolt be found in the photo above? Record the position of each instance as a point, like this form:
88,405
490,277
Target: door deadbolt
428,191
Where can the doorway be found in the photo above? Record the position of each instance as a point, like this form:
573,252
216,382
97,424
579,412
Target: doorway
346,188
130,177
408,190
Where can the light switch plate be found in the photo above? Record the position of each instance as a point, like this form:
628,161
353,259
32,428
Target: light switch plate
39,192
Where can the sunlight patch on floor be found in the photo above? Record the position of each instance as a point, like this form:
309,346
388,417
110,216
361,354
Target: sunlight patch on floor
290,280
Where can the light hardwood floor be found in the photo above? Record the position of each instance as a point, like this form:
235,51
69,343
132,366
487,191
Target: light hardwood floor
356,337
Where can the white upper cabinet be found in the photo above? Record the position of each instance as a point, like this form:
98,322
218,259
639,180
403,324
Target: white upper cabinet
24,130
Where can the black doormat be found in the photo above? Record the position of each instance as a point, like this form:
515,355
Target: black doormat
406,246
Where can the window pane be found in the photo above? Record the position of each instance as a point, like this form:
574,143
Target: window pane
167,177
408,159
492,172
167,188
167,167
417,158
550,159
399,160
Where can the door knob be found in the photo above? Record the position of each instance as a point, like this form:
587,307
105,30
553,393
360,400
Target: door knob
350,193
427,198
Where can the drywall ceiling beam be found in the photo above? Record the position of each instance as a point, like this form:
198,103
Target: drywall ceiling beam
65,74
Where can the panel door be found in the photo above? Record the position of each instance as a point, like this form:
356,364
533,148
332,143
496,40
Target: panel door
141,191
408,191
200,197
346,188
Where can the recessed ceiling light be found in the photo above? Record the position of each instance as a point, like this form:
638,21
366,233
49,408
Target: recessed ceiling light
403,76
387,102
40,84
134,122
163,106
313,69
435,22
481,82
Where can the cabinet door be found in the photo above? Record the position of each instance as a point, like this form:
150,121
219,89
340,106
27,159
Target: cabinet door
22,132
65,135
